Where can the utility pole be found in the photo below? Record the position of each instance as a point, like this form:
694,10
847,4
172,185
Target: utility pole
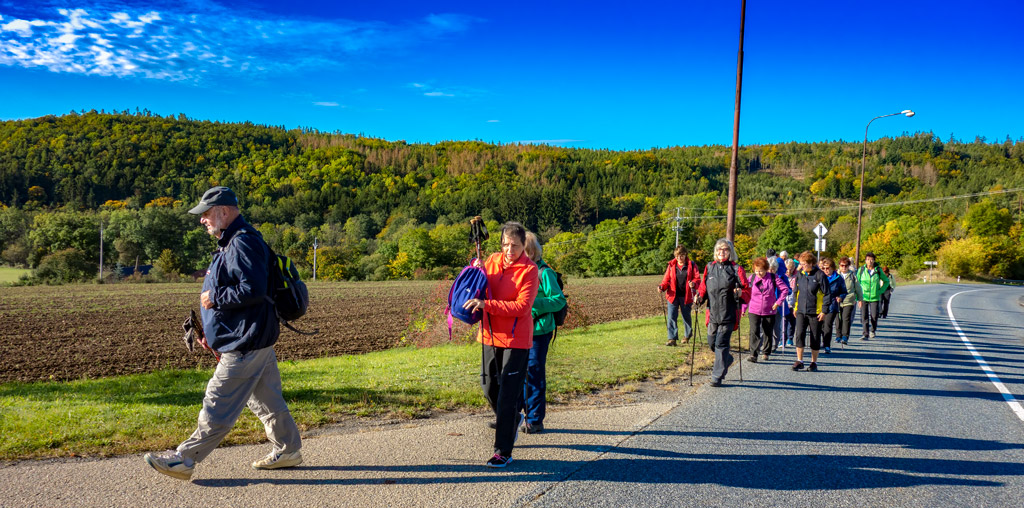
677,227
101,251
730,223
316,244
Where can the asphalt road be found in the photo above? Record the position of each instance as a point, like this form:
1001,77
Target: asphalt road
908,419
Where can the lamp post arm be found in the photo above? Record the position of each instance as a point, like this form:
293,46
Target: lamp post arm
860,202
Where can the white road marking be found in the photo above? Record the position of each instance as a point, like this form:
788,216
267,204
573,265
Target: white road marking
1013,402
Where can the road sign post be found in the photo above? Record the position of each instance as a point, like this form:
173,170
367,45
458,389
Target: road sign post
819,243
931,267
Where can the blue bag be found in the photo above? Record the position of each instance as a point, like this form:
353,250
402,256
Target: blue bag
471,283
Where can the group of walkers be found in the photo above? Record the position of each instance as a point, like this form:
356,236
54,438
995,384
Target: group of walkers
241,326
786,300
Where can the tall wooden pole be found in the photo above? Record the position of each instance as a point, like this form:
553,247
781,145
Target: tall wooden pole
730,224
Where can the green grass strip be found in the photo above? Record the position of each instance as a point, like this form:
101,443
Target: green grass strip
129,414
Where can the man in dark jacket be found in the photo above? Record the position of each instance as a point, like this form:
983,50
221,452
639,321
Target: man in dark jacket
239,322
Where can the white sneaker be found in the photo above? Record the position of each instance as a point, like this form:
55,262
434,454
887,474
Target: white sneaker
170,463
873,335
277,460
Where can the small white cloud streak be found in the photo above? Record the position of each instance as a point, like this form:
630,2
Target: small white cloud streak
438,94
493,121
195,38
327,104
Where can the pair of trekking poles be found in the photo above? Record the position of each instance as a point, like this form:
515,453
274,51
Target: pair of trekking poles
696,338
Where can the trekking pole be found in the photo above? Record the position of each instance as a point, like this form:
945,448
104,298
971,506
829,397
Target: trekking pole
739,350
693,342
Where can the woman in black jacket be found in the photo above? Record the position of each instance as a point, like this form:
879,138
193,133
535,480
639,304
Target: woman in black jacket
725,288
812,299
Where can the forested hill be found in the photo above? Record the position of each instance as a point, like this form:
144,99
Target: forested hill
310,180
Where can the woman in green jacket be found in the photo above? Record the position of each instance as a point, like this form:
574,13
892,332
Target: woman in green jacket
549,300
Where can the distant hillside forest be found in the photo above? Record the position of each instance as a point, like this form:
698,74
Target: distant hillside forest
392,210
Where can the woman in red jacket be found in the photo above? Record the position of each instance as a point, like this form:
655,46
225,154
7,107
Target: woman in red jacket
679,284
506,332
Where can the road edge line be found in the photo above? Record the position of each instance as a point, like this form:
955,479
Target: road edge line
1015,405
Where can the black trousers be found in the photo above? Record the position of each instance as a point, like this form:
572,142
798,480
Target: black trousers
847,319
502,373
869,316
807,322
762,333
830,323
718,341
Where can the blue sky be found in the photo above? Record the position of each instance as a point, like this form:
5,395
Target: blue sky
592,74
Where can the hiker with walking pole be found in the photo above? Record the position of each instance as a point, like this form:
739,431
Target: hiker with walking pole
506,332
725,288
679,284
767,291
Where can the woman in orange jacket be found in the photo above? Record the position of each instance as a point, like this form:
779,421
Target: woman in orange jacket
506,332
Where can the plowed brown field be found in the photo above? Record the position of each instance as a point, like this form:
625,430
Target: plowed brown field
75,331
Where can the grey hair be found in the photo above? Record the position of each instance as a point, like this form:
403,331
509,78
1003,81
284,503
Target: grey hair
790,264
773,265
732,249
783,254
533,248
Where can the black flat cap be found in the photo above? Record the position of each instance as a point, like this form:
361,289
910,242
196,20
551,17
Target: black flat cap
216,196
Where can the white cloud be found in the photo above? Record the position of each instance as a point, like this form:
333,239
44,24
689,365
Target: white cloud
185,40
438,94
328,104
493,121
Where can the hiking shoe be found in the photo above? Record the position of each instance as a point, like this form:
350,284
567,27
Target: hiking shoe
765,358
170,463
671,343
716,384
873,334
813,367
499,460
798,365
277,460
534,428
864,338
828,349
752,358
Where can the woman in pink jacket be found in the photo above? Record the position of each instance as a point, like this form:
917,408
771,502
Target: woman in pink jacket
767,292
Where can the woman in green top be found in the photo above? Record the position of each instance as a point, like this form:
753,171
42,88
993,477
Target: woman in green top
873,283
549,299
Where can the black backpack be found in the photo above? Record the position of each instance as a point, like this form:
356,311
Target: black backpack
559,315
287,292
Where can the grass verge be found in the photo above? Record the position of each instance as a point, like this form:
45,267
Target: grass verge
129,414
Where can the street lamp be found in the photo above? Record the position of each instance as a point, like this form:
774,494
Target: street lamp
860,202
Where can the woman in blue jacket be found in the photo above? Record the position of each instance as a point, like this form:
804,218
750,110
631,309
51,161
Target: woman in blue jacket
833,312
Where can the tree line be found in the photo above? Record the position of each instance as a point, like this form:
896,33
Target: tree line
390,210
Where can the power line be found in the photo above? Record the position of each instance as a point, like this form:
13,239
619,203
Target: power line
630,228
